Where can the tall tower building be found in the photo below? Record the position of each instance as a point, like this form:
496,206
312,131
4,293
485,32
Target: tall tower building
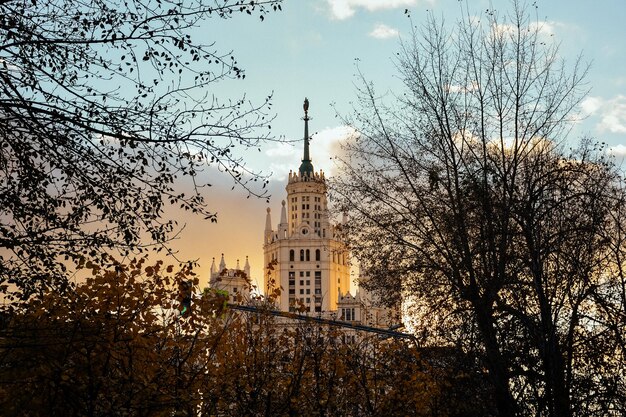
309,259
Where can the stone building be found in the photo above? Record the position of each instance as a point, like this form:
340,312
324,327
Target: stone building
309,259
235,281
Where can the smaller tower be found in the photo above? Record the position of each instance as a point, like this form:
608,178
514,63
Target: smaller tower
246,268
268,226
222,264
235,281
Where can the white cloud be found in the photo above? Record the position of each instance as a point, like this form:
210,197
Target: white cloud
282,150
590,105
382,31
461,88
547,28
614,115
325,145
618,151
344,9
544,29
611,113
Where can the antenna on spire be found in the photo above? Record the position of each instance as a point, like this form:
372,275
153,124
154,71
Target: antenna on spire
306,168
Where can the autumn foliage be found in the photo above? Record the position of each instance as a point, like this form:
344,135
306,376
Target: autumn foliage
118,345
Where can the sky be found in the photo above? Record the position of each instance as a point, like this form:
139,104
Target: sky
314,48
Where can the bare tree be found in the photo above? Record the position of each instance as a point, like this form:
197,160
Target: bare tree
103,105
465,198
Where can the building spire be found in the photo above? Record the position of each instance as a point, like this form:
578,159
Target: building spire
306,167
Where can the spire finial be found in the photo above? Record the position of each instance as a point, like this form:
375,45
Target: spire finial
306,167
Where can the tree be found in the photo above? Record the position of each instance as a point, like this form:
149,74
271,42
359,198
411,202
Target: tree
465,199
104,107
119,345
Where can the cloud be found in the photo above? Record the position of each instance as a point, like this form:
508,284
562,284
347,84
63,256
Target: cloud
618,151
614,115
282,150
326,144
590,105
547,28
382,31
344,9
611,113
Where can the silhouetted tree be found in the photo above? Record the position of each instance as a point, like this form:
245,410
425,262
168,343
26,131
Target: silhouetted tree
103,106
465,200
119,346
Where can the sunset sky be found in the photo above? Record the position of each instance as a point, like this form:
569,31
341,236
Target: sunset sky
312,49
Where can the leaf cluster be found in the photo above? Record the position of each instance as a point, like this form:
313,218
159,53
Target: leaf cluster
105,106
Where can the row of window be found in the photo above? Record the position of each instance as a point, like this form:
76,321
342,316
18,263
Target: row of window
305,255
316,207
306,198
307,291
307,307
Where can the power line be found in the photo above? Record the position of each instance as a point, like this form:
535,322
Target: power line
329,322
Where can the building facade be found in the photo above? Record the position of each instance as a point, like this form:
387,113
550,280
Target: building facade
308,257
236,281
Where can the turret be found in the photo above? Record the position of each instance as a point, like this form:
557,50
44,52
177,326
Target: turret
268,226
213,268
222,264
283,226
246,268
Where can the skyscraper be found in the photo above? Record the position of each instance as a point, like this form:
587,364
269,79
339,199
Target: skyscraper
309,259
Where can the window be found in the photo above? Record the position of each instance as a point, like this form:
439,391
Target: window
302,282
308,255
308,291
317,254
301,274
308,273
318,291
292,291
301,255
292,255
308,282
348,314
301,291
318,309
308,300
